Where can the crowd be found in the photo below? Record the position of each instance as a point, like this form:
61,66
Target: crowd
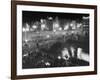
60,53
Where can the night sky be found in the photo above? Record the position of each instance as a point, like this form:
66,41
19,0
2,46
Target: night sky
29,16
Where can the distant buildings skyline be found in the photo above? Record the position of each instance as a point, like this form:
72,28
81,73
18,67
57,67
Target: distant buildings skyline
33,21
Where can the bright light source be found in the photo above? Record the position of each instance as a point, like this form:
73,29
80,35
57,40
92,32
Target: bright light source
47,64
27,29
34,26
66,27
84,17
26,40
60,28
79,25
71,24
43,26
25,55
56,25
23,29
41,20
59,57
54,30
48,36
50,18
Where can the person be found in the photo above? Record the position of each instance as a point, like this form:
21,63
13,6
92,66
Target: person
65,54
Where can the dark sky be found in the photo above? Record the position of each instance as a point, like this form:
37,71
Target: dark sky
29,16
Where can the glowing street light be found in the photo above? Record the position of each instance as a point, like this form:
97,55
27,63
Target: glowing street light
23,29
85,17
47,36
66,27
54,30
56,25
60,28
50,18
47,64
79,25
34,26
59,57
26,40
43,26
